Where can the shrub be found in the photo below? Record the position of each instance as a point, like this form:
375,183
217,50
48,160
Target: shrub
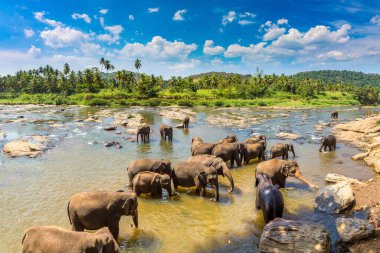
98,102
185,102
219,103
262,103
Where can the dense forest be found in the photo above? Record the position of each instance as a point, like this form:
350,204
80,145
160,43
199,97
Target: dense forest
66,82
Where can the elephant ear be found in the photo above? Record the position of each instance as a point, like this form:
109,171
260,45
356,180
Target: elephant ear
127,205
202,178
256,182
285,169
156,179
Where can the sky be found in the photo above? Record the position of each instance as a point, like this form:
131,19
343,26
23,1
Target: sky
173,37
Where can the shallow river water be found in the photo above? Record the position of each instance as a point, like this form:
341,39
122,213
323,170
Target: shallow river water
36,191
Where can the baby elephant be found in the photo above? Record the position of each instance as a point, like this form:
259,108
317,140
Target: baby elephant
328,141
268,198
334,115
48,239
151,182
166,132
144,132
94,210
186,122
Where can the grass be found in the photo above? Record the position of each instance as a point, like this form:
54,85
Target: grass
118,98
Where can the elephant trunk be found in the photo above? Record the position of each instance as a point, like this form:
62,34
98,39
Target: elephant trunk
135,217
304,180
292,149
227,173
216,192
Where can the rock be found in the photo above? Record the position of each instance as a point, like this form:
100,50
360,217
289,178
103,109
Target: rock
335,198
321,126
359,156
353,229
109,128
177,113
30,147
287,236
179,126
336,178
288,136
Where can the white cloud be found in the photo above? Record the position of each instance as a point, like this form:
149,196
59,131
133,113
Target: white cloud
34,51
83,16
245,22
152,10
159,48
247,15
210,49
178,15
335,55
229,18
101,20
29,32
131,17
39,15
90,49
184,66
244,18
273,33
62,36
114,35
375,20
282,21
216,62
103,11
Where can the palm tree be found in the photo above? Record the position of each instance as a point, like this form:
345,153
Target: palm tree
108,66
102,63
138,64
66,69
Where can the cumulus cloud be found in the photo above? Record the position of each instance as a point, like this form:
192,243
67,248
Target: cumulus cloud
90,49
114,34
210,49
153,10
103,11
62,36
184,66
273,31
131,17
34,51
282,21
178,15
83,16
375,20
229,18
40,16
29,32
160,49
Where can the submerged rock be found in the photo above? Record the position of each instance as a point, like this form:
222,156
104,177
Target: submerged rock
30,147
177,113
359,156
291,136
110,128
353,229
287,236
335,198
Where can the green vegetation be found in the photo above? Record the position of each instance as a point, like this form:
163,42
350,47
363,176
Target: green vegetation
124,88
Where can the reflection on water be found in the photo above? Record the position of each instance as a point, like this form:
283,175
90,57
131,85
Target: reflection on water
35,191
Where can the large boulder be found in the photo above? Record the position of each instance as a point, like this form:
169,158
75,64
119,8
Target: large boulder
335,198
30,147
333,178
353,229
285,236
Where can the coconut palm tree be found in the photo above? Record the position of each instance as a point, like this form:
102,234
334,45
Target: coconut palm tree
138,64
102,63
108,66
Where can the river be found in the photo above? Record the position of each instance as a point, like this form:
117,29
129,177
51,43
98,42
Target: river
36,191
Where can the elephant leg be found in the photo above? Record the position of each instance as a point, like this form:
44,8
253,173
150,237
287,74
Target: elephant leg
257,201
76,223
203,191
113,226
238,160
232,162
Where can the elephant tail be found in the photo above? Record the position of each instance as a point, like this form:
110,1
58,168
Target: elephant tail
68,212
23,238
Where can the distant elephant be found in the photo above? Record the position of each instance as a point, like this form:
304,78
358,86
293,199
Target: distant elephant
256,138
328,141
278,170
186,122
190,174
151,182
146,164
217,163
94,210
166,132
268,198
144,132
49,239
229,139
198,147
252,151
334,115
281,150
232,152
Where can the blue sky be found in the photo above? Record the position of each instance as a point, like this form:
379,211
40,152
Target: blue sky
192,36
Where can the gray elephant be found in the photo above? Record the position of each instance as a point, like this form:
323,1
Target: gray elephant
166,132
151,182
256,138
232,152
281,150
186,122
328,142
198,147
217,163
229,139
190,174
334,115
144,132
94,210
146,164
48,239
268,198
278,170
252,151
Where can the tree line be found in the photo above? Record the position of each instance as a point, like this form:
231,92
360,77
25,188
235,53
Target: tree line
223,85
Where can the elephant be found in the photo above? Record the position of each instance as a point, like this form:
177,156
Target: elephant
94,210
198,147
256,138
166,132
334,115
252,151
268,198
190,174
278,170
48,239
328,141
151,182
281,150
145,164
232,152
229,139
186,122
217,163
144,132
